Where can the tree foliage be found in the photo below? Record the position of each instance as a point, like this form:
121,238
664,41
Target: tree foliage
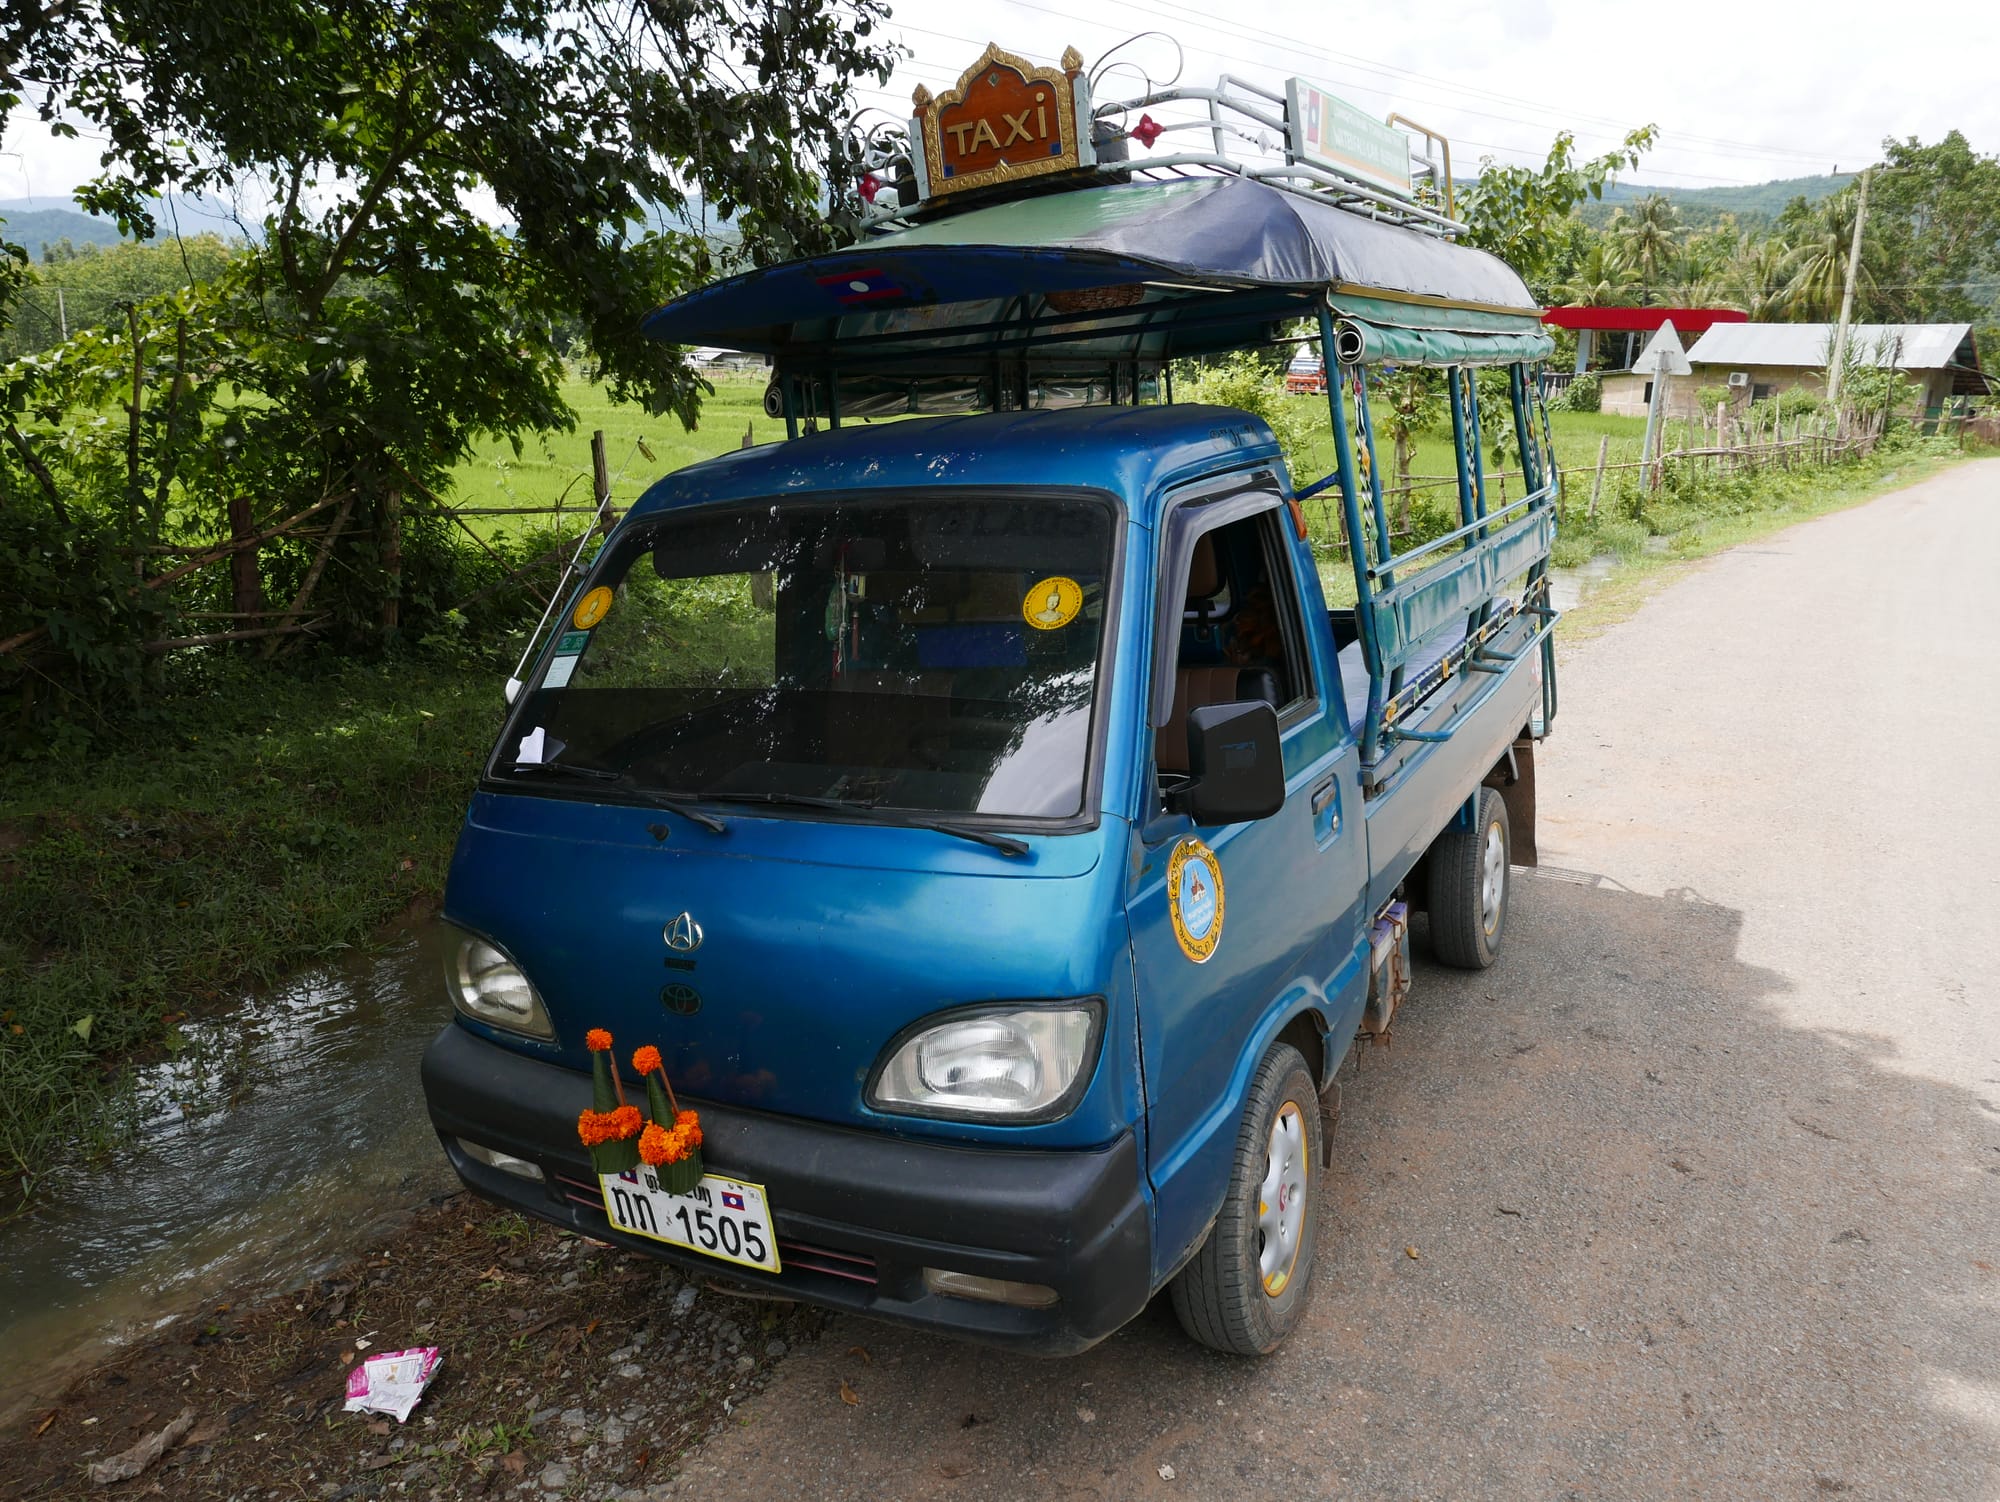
434,194
1519,213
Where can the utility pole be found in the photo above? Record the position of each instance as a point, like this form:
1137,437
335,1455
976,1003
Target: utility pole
1847,298
62,315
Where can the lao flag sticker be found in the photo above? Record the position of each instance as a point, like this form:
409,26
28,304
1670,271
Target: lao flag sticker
731,1201
852,288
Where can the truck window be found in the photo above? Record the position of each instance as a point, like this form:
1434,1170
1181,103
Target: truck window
1240,634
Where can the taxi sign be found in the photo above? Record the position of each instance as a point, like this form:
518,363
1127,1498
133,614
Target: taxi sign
1006,120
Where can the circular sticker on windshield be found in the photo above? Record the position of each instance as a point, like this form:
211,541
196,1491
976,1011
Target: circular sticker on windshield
1194,898
592,608
1053,603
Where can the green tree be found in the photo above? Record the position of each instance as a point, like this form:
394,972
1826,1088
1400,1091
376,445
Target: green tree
1822,242
1648,236
1518,213
1755,279
1599,280
1934,213
94,283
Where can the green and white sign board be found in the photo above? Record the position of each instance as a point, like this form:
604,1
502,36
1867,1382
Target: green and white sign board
1328,132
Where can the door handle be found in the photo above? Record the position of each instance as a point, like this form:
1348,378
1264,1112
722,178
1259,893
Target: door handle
1323,794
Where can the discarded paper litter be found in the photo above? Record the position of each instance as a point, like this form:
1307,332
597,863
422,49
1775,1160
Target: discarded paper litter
393,1381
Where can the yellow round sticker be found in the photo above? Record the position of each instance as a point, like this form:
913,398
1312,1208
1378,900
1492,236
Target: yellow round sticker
1053,603
1194,898
592,608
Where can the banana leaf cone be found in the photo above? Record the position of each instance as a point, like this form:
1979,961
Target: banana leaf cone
609,1157
681,1177
675,1178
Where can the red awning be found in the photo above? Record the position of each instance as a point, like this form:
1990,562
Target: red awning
1641,320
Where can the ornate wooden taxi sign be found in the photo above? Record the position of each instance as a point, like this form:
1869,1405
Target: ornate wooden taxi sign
1006,120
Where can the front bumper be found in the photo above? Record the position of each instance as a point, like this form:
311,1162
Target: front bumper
858,1215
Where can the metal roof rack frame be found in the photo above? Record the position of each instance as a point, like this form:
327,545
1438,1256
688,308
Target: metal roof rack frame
1234,114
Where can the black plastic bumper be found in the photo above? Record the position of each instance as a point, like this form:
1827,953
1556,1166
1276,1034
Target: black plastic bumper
858,1215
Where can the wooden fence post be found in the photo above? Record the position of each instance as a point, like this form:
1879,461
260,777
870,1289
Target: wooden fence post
246,585
1597,480
392,559
601,488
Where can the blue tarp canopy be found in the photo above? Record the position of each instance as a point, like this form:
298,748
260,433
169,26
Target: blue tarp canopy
1139,272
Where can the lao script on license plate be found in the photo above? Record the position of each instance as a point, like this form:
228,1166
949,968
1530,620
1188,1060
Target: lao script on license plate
720,1217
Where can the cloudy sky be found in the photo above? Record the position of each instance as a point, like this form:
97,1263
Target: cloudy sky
1744,90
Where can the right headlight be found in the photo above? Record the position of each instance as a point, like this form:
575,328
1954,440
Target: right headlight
994,1063
487,986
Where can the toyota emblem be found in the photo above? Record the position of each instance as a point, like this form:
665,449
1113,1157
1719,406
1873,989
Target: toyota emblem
683,935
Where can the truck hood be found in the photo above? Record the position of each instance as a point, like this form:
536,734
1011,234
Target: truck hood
820,941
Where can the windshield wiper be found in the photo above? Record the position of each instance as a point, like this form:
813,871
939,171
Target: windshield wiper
567,769
665,799
1006,844
681,803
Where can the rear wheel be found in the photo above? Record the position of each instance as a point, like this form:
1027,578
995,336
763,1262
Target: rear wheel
1248,1284
1470,876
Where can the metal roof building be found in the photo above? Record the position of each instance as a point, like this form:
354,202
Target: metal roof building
1914,347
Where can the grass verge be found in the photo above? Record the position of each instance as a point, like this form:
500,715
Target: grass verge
259,821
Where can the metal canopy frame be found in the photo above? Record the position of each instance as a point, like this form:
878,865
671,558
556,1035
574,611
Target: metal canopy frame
1396,617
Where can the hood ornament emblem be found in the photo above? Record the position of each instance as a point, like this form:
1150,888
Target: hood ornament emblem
683,934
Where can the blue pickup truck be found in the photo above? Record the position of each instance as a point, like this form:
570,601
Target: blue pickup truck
988,818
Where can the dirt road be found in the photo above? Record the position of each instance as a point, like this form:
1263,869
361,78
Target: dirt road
1697,1193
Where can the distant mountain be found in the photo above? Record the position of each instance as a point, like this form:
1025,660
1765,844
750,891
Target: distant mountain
28,222
35,222
1753,204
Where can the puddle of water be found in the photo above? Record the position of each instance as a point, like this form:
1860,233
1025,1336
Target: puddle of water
1568,587
269,1150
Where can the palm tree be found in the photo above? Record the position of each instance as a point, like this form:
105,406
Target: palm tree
1817,273
1647,238
1600,280
1755,278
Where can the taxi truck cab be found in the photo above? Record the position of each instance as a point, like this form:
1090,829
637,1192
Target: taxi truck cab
986,816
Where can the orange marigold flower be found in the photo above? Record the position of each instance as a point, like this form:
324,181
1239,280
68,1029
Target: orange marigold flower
626,1122
646,1060
654,1145
593,1128
597,1040
689,1124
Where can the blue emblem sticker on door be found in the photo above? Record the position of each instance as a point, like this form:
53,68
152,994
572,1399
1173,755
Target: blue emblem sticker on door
1194,898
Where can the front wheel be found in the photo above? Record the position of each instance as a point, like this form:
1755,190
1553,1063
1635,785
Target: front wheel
1469,878
1248,1284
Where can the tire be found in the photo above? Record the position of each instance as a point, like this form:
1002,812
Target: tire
1233,1297
1470,880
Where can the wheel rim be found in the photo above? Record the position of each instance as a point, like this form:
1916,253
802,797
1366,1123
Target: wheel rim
1281,1199
1492,879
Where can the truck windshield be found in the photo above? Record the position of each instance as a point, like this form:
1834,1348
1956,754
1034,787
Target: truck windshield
935,655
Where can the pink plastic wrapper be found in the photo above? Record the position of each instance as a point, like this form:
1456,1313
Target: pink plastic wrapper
393,1381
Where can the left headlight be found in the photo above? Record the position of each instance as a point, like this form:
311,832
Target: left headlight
487,986
1002,1063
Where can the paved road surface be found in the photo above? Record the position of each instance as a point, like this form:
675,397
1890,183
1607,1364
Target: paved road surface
1703,1177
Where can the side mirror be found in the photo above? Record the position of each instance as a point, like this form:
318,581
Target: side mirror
1236,767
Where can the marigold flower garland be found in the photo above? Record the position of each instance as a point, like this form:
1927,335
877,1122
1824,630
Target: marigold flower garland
620,1137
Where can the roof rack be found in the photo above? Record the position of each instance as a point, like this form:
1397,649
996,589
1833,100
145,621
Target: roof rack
1303,140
